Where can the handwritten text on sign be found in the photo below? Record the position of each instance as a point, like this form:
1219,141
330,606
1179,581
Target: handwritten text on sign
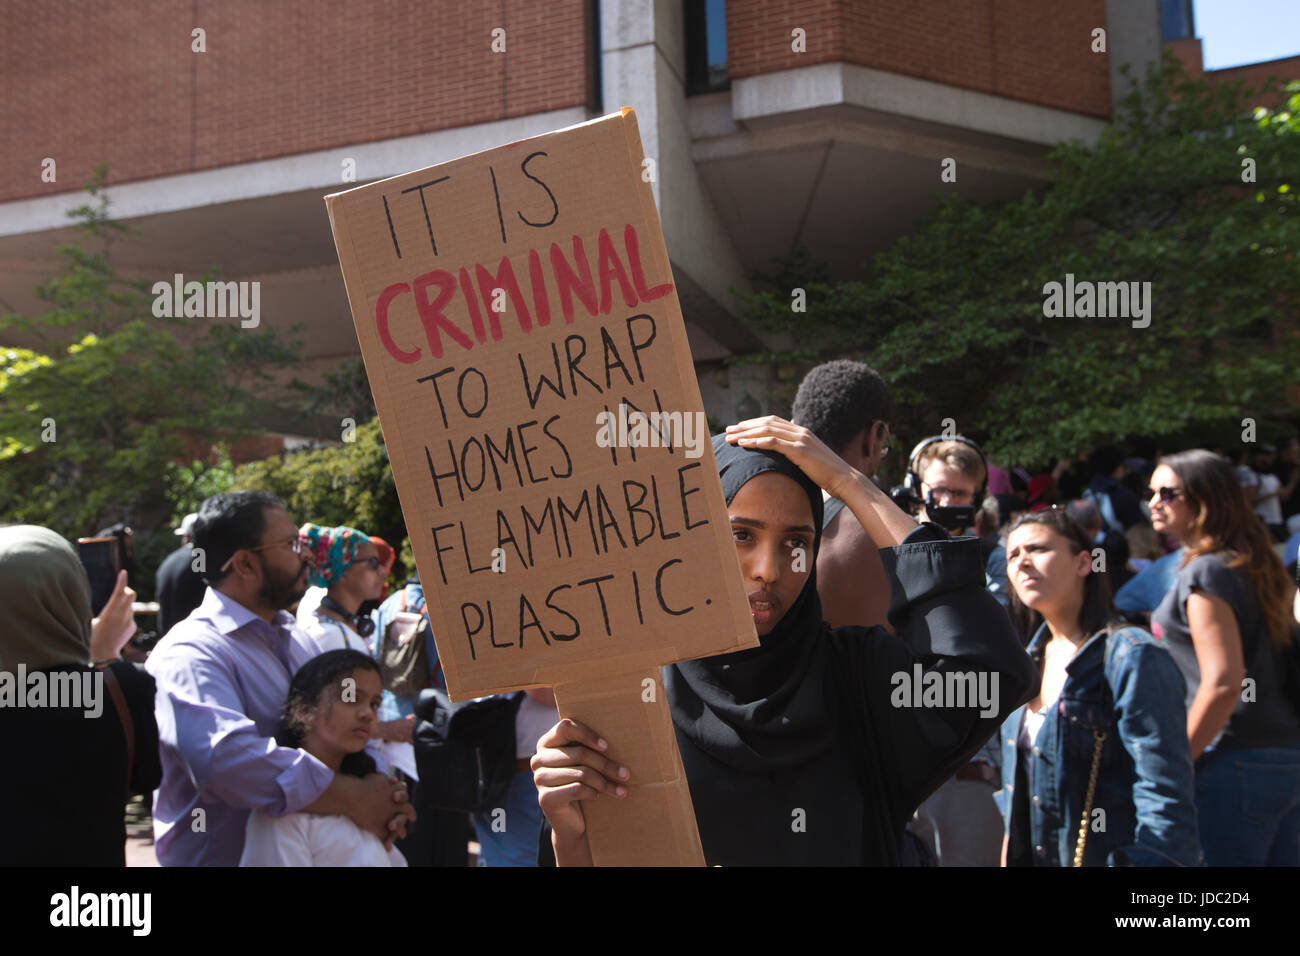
512,298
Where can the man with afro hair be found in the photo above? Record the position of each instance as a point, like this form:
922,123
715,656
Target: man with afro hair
847,405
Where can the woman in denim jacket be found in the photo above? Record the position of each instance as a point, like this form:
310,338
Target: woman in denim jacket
1098,678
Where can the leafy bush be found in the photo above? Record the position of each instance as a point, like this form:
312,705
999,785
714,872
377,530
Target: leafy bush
350,484
952,313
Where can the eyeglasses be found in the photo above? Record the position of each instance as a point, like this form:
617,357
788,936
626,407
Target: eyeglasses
886,439
956,497
297,545
375,563
1167,495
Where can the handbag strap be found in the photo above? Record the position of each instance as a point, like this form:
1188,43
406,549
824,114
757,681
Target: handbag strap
124,717
1100,737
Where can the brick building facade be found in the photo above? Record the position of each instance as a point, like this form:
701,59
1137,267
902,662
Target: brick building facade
822,125
121,82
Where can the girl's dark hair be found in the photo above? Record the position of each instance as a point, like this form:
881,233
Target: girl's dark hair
1097,610
1225,522
307,690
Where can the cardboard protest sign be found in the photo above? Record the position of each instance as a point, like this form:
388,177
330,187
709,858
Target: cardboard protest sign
505,304
526,350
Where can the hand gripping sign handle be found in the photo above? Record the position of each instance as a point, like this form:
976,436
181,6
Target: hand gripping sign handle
654,825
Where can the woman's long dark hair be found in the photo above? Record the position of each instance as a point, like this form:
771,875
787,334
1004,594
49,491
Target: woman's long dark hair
307,692
1097,610
1225,522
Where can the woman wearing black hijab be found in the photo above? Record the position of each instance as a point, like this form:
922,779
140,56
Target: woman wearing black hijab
810,749
75,747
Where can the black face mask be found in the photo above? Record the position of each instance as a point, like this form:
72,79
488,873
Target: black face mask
363,624
952,518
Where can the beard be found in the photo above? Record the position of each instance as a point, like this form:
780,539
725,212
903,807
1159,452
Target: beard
281,590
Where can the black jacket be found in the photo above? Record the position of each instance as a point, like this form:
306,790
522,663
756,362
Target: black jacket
179,588
63,798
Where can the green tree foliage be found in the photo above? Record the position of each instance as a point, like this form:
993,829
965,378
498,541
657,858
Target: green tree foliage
124,395
349,484
345,393
189,485
952,313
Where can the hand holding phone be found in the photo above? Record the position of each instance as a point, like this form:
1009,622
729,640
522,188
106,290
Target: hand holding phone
115,624
102,559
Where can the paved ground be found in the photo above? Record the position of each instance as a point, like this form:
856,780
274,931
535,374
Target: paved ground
139,833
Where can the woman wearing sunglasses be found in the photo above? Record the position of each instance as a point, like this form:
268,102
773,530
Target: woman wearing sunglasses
1227,623
1095,768
351,567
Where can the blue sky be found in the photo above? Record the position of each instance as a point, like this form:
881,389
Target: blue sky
1234,32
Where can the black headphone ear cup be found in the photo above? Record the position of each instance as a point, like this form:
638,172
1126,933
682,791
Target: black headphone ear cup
912,482
363,624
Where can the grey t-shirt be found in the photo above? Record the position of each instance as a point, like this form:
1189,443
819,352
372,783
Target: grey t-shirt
1267,720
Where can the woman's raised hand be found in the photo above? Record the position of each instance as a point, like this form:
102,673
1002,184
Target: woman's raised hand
116,623
570,767
804,449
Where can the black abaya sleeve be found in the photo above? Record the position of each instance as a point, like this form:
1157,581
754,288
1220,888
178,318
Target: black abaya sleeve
948,624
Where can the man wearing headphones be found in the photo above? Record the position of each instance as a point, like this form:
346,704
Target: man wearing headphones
960,821
948,476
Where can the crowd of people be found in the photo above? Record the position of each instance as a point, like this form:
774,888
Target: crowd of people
1130,622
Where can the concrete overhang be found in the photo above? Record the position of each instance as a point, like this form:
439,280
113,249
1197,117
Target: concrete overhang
257,222
843,159
263,221
847,84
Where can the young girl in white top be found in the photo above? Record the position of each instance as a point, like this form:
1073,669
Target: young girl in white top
331,712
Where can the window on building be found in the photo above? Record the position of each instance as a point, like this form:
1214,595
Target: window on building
1176,20
706,46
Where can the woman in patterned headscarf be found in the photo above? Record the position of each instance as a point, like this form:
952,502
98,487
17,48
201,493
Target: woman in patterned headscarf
351,568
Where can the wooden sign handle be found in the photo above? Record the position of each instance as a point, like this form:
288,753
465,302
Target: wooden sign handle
654,825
